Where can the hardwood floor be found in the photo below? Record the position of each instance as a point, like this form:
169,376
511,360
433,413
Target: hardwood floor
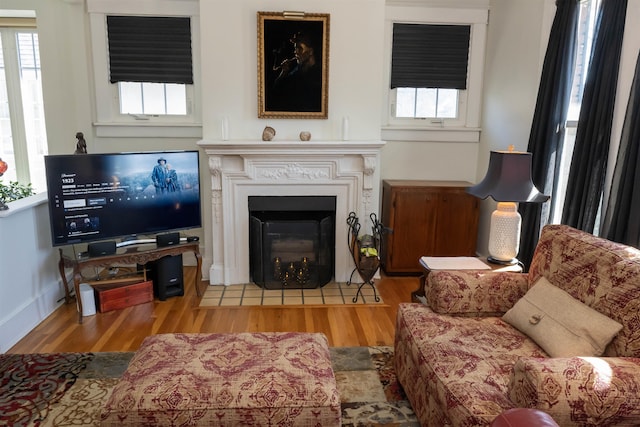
124,330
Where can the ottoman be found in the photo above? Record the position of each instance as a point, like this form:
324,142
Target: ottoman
277,378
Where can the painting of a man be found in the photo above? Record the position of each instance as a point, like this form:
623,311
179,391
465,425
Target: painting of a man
294,66
298,84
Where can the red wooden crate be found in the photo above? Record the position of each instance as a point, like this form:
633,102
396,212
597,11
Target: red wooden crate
124,296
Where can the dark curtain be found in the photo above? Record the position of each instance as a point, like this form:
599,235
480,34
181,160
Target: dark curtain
589,162
622,219
547,129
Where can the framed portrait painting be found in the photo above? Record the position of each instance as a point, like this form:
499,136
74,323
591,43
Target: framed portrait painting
293,65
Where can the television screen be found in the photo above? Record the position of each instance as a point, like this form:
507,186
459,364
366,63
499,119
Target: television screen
104,196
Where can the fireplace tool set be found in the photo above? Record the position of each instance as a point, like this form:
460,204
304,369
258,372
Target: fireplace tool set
365,252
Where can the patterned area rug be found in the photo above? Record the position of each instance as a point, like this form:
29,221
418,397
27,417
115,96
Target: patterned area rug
251,294
369,392
31,383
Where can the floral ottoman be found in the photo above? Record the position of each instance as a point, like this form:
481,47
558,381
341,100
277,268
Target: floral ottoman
227,379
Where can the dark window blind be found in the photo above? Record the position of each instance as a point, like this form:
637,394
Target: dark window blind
150,49
430,56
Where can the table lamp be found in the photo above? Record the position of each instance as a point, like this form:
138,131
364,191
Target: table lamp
508,181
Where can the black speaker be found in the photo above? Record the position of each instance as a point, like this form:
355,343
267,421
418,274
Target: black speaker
102,248
168,280
168,239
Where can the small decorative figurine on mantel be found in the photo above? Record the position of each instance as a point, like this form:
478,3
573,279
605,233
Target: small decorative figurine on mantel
268,133
305,136
81,145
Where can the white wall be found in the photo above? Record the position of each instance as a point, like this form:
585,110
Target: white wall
516,44
229,69
517,40
29,279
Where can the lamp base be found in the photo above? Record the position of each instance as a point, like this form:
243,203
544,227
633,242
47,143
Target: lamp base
493,260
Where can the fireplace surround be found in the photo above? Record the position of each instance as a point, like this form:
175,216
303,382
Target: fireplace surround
346,170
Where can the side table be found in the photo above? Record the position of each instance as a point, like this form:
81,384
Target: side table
429,264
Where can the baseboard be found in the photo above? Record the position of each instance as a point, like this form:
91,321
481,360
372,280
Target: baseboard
17,324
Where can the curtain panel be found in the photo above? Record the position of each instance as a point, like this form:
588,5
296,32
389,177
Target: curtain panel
622,219
585,184
547,130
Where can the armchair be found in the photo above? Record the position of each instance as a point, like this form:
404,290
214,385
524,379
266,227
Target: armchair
462,363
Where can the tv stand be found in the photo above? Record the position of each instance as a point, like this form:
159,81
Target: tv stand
128,255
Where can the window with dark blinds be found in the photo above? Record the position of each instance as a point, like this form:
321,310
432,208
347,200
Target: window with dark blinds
150,49
430,56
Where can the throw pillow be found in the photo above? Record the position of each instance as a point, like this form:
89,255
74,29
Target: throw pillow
562,325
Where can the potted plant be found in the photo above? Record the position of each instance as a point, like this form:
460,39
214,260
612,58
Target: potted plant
12,191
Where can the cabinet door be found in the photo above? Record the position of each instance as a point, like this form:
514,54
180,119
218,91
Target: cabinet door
456,224
413,219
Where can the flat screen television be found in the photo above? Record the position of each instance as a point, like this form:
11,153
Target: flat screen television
122,195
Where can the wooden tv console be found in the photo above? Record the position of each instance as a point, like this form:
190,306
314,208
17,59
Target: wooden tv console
134,254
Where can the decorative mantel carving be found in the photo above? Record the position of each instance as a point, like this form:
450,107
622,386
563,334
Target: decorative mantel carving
215,167
348,170
294,171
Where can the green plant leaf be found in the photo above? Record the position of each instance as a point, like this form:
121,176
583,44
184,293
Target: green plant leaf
15,191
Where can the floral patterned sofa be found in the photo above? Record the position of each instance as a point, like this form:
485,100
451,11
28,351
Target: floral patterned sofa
464,358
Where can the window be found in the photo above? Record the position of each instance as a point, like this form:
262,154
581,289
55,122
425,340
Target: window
23,139
436,65
425,103
146,68
428,69
150,60
152,98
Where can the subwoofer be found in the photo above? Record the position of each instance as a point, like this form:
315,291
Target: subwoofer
167,275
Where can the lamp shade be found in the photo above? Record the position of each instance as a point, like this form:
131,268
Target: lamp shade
508,179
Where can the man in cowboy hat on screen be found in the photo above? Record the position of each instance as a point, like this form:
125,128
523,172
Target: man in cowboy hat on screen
159,176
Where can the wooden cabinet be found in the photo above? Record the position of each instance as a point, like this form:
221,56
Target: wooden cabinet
426,218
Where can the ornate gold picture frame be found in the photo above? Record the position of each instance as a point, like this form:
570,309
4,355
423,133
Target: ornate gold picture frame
293,65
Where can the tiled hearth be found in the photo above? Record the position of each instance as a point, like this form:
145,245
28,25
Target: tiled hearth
348,170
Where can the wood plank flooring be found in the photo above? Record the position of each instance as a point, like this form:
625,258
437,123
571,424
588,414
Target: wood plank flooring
124,330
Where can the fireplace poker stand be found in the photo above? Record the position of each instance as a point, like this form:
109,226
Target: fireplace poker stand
365,252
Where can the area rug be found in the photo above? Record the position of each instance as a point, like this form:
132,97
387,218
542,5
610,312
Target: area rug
31,383
251,294
369,391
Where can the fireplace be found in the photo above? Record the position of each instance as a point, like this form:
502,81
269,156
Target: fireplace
291,241
345,170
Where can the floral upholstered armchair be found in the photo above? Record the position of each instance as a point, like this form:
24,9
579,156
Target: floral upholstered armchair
563,338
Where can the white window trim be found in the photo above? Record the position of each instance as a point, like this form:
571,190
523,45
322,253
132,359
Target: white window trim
16,115
426,130
108,121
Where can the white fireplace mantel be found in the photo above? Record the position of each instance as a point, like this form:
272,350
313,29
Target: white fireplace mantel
348,170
